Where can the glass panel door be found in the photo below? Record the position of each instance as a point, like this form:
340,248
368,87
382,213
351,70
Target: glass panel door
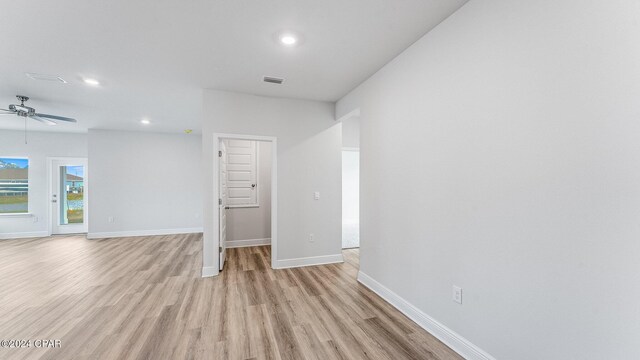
72,194
69,195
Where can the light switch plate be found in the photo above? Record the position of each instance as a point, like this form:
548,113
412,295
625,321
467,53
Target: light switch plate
456,294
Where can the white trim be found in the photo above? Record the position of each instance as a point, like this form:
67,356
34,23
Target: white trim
309,261
214,239
209,271
112,234
247,243
243,206
452,339
257,203
16,215
22,235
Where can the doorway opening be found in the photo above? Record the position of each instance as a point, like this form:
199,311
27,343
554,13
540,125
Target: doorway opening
246,201
350,198
69,195
351,182
351,190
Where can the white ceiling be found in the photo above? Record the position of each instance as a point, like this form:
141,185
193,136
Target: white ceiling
154,57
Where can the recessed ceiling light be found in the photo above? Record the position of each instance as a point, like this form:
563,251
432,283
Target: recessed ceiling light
145,122
92,82
288,39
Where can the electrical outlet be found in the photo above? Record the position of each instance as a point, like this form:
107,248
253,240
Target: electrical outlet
110,219
311,239
456,294
35,219
316,195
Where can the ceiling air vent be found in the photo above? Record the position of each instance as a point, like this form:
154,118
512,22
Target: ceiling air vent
273,80
46,77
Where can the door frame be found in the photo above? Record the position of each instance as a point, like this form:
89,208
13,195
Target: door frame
222,206
217,137
87,189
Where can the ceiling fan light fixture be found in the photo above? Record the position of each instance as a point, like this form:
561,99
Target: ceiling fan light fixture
24,111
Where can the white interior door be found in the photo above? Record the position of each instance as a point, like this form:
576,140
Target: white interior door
242,169
69,196
222,203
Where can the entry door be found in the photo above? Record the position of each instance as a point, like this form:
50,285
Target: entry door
69,193
222,203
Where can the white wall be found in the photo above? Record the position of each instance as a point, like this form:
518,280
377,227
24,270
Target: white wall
40,146
309,143
254,223
501,153
148,182
351,132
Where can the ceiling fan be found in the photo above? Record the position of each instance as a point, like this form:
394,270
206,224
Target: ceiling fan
29,112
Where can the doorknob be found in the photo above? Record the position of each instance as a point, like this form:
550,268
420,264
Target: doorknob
253,185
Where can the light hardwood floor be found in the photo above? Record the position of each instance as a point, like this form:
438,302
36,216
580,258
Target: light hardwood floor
143,298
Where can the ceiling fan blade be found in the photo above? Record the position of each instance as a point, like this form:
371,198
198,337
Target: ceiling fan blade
55,117
42,120
7,112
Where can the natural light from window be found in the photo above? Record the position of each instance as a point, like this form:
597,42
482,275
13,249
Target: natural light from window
72,201
14,185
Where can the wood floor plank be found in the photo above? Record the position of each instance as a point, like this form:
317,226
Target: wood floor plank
143,298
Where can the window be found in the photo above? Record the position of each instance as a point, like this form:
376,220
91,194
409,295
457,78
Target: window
14,185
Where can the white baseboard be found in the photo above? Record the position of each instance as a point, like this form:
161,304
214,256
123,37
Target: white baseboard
452,339
309,261
102,235
208,271
247,243
22,235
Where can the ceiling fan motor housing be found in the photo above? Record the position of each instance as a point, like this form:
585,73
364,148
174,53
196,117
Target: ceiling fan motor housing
22,110
26,111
